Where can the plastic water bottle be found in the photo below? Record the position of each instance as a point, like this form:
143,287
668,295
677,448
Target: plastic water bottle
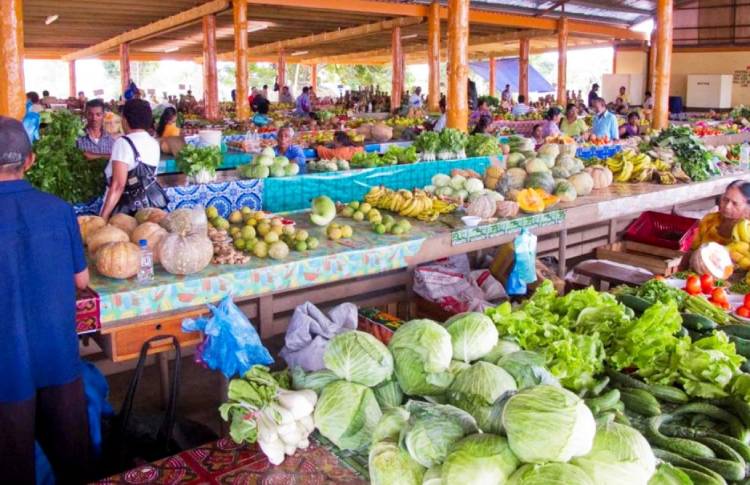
146,268
745,156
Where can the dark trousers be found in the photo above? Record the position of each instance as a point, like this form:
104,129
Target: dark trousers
57,418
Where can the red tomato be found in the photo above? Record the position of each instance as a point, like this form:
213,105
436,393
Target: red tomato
693,285
707,283
747,301
744,312
719,296
659,277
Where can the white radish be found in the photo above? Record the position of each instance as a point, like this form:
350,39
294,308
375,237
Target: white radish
291,434
307,424
281,414
297,402
290,449
267,428
302,445
273,450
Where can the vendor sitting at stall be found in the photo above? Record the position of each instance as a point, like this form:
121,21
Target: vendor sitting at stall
303,106
168,124
95,143
632,127
483,109
537,134
483,126
571,124
284,147
734,205
343,148
285,96
551,125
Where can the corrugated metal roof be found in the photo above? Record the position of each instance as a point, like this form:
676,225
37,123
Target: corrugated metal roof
615,11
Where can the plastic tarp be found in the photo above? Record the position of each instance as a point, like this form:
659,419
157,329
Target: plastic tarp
506,72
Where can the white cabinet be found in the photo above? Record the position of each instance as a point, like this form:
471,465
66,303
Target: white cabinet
709,91
634,86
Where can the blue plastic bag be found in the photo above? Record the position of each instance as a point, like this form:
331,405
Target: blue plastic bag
31,122
231,343
524,267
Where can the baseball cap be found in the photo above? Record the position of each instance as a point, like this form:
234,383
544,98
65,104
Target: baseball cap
14,141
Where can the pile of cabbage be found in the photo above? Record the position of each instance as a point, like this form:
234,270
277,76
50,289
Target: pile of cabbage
454,404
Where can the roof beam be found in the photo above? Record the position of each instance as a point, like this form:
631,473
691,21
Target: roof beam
188,16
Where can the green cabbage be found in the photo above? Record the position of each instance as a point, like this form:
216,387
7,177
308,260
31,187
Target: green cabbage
501,348
390,425
422,354
433,429
527,368
549,474
479,458
548,423
390,465
620,456
433,476
389,394
473,335
358,357
667,474
315,381
479,391
346,414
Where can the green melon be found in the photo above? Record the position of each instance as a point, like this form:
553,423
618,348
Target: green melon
541,180
565,191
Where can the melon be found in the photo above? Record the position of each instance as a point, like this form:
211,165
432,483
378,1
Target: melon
602,176
515,159
513,179
565,191
582,182
540,180
536,165
714,259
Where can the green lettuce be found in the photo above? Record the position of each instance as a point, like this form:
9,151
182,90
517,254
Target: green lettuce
479,390
708,366
346,414
358,357
478,459
549,474
390,465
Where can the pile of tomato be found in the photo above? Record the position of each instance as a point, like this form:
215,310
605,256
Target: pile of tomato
706,285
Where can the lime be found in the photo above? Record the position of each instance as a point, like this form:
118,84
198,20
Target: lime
358,216
212,212
239,244
300,246
301,235
379,228
247,232
354,204
312,243
347,212
397,230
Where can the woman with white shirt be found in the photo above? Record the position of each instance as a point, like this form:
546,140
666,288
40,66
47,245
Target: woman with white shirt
131,171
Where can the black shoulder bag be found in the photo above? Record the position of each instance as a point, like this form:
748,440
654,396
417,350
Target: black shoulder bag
141,188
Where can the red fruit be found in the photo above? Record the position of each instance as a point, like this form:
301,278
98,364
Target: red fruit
693,285
707,284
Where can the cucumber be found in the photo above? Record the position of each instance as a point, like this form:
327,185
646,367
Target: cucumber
677,431
621,418
600,386
681,446
682,332
700,478
698,323
668,393
624,380
737,406
722,450
731,470
605,402
684,463
741,331
640,401
736,428
635,303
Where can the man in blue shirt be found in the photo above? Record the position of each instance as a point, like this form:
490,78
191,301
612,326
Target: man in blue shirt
521,108
284,147
604,122
42,263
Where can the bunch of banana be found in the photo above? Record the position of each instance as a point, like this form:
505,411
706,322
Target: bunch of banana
666,177
739,248
631,166
417,204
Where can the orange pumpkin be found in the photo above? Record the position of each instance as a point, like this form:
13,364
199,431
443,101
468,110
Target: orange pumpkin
152,233
530,201
549,200
118,260
88,225
125,222
106,234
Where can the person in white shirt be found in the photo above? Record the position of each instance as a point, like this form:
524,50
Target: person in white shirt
415,101
440,123
521,108
137,118
648,102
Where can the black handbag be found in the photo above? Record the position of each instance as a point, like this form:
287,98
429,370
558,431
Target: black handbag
133,439
142,190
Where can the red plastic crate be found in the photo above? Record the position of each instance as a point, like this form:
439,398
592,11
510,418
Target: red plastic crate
663,230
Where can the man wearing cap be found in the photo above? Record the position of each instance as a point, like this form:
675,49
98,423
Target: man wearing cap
42,263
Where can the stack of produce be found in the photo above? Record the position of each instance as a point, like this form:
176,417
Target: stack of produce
333,165
739,248
224,250
267,164
393,156
481,145
418,204
458,188
689,152
199,163
632,166
360,211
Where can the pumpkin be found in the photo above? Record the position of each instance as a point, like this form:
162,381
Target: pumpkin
123,221
568,149
119,260
512,179
184,254
549,150
106,234
483,206
150,214
152,233
88,225
714,259
515,159
382,132
506,209
541,180
602,176
583,183
184,221
365,130
565,191
530,201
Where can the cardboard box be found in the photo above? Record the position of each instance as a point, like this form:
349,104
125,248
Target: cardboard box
379,324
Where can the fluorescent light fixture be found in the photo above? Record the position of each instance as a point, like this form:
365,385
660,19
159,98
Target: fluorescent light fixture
300,53
412,36
50,19
171,49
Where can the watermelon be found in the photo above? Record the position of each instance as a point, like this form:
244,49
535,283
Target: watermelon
540,180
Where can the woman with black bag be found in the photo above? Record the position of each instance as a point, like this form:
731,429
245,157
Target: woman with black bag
131,171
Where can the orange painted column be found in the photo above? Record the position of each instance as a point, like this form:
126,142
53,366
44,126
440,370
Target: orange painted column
239,16
314,77
614,59
663,63
433,57
72,91
493,63
652,62
397,69
523,68
281,69
124,66
457,113
12,95
562,61
210,77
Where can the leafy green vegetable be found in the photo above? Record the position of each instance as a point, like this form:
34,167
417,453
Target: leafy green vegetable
707,366
453,140
358,357
60,168
479,458
389,394
249,394
346,414
315,381
667,474
473,335
655,290
391,465
427,142
481,145
422,354
527,368
192,159
390,424
479,391
691,154
549,474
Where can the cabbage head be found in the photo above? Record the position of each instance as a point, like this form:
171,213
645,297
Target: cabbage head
422,354
548,423
390,425
315,381
527,368
358,357
433,429
389,393
620,456
473,335
479,390
433,476
346,414
667,474
502,348
549,474
479,458
390,465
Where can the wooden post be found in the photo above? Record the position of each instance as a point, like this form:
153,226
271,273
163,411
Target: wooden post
124,66
614,59
562,60
492,75
397,59
314,78
523,68
281,69
72,91
433,57
652,62
663,63
210,78
458,55
12,95
239,11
